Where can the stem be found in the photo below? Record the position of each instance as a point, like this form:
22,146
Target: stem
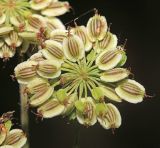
77,137
24,113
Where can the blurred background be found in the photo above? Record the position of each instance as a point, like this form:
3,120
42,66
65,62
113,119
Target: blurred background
138,21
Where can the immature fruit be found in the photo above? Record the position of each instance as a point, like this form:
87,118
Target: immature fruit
53,51
109,59
109,42
114,75
16,138
73,48
49,69
96,28
108,116
56,9
86,114
51,109
81,31
131,91
26,71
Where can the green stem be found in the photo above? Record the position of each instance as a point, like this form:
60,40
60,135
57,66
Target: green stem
77,137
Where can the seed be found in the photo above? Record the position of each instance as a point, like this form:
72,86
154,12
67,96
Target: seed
111,118
108,43
88,115
114,75
37,85
81,31
131,91
49,69
109,59
96,28
51,109
56,9
53,51
73,48
53,24
39,4
16,138
25,71
35,23
58,35
40,97
37,57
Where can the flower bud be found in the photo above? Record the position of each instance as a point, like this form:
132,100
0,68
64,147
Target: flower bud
5,30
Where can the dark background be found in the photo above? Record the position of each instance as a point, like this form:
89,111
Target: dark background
138,21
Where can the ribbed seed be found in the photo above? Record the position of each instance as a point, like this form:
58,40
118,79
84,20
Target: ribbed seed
57,5
55,51
108,56
50,69
40,87
34,22
132,89
27,72
58,38
115,71
49,105
88,113
103,44
73,47
13,138
81,34
39,94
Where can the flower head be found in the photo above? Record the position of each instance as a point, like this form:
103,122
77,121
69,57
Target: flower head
22,21
83,68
